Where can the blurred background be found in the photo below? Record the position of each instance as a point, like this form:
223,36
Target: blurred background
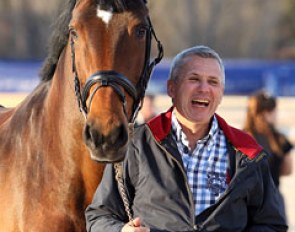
255,38
261,29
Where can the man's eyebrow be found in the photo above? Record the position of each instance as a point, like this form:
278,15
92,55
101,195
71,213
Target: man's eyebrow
214,77
193,74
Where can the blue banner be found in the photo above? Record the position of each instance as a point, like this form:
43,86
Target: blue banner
243,77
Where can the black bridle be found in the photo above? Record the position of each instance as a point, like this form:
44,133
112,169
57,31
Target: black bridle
116,80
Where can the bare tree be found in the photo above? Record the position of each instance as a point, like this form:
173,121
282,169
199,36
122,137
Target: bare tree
25,26
236,28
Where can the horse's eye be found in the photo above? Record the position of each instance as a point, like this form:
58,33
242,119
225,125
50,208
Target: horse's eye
73,33
141,31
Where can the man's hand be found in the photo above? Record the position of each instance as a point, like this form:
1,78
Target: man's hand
134,226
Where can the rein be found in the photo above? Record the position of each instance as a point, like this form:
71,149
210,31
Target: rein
120,182
117,80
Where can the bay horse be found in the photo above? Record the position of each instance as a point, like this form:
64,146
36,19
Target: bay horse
92,84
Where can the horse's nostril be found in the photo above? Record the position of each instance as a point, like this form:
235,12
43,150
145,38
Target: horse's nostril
115,139
119,136
86,134
92,135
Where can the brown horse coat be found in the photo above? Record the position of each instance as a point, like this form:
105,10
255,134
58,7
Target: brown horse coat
47,176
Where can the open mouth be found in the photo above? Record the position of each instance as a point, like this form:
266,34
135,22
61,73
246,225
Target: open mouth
200,102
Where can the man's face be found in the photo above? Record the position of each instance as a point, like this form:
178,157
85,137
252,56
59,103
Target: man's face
198,89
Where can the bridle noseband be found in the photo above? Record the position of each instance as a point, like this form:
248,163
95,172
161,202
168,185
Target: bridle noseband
116,80
108,78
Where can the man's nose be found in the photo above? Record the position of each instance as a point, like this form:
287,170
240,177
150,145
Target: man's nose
204,86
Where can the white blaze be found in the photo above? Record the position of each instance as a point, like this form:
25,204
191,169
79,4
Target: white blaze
104,15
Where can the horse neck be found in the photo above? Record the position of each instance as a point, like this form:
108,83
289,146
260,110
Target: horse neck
61,99
68,123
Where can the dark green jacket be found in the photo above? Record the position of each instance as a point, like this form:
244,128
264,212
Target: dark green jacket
159,194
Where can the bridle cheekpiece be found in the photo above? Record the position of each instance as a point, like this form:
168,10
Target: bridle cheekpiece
116,80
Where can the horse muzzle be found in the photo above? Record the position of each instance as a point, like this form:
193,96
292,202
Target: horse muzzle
109,147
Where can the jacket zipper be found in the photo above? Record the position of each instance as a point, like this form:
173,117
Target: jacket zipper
194,226
227,191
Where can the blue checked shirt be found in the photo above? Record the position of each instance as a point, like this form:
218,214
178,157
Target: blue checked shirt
205,166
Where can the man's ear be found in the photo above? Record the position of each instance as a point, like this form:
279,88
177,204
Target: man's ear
170,88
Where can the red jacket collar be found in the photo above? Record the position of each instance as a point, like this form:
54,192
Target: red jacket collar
161,126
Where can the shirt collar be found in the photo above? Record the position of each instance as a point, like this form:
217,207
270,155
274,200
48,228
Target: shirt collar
180,135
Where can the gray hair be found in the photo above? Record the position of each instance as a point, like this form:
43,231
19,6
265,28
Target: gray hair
200,51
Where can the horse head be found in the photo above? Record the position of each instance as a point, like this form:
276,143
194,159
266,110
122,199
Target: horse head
99,62
110,44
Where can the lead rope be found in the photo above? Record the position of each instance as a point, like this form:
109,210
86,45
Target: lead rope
119,178
120,181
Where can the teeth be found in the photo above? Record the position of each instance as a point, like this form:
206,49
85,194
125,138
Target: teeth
201,101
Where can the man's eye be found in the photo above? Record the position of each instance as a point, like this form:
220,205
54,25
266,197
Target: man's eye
213,82
194,79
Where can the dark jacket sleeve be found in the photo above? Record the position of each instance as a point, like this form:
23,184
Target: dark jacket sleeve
106,212
266,212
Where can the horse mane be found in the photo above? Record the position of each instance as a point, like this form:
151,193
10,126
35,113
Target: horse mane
58,40
59,37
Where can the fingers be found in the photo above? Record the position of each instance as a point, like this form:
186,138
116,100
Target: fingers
135,226
136,222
